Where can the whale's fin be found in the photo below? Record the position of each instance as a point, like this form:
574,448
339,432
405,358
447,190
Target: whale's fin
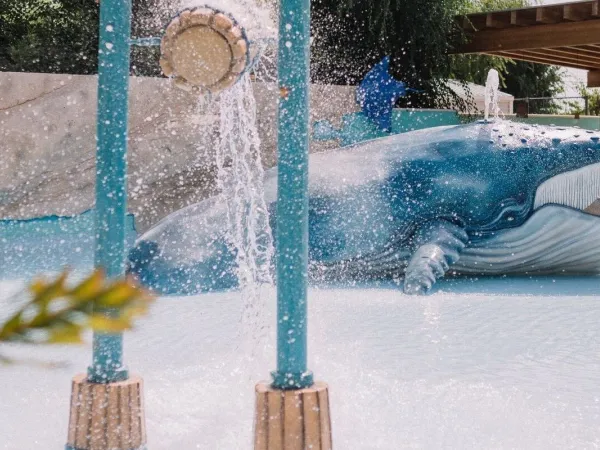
437,246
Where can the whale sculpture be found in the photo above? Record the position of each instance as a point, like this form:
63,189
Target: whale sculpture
482,198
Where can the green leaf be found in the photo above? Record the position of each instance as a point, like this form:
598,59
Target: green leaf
100,322
65,335
10,327
89,288
119,294
45,293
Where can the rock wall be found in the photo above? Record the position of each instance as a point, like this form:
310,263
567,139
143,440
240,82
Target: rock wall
47,143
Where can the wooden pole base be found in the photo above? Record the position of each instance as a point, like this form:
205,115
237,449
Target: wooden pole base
292,420
107,416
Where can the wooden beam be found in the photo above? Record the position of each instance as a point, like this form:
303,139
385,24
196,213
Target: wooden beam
522,17
549,14
593,80
577,11
556,58
521,56
573,11
566,34
498,19
577,51
587,48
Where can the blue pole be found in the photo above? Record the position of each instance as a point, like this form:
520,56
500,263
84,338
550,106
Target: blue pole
111,172
292,197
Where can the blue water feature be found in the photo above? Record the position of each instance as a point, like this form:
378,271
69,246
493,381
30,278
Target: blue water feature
48,244
483,198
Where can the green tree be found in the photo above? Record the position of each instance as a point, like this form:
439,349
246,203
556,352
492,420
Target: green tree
56,36
593,98
61,36
149,18
349,37
524,80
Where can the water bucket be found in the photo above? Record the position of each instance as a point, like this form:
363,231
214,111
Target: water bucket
205,50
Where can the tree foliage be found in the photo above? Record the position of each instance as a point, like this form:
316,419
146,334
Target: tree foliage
525,80
593,99
56,36
350,36
61,36
149,18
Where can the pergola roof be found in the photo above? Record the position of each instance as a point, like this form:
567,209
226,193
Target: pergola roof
564,35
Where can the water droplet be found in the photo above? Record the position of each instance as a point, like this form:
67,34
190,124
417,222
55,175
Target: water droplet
288,44
110,28
109,45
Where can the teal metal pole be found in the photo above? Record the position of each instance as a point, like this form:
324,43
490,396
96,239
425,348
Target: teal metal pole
111,172
292,197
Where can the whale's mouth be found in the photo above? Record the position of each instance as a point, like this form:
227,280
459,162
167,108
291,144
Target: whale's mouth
578,189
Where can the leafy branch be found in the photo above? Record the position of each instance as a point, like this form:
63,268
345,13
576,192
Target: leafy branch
59,314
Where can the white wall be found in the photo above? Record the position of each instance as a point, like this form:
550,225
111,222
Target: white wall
47,143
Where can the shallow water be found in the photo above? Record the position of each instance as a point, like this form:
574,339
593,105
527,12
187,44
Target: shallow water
486,365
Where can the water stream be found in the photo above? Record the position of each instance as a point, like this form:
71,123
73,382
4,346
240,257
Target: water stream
492,88
240,182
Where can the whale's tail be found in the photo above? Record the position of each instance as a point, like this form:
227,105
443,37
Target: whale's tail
187,253
147,264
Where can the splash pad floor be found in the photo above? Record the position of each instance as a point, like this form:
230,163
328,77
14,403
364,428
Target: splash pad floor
497,363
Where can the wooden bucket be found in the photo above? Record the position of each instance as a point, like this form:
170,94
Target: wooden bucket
204,50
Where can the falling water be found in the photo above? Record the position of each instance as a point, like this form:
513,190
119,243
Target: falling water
240,182
492,88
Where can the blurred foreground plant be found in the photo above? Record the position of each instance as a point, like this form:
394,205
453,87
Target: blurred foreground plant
59,313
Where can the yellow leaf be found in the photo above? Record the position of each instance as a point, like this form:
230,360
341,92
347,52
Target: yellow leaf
45,292
89,288
40,320
100,322
37,286
9,327
70,334
117,295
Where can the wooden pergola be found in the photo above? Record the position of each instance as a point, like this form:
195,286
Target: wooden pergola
563,35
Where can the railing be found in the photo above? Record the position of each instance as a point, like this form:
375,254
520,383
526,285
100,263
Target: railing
552,105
